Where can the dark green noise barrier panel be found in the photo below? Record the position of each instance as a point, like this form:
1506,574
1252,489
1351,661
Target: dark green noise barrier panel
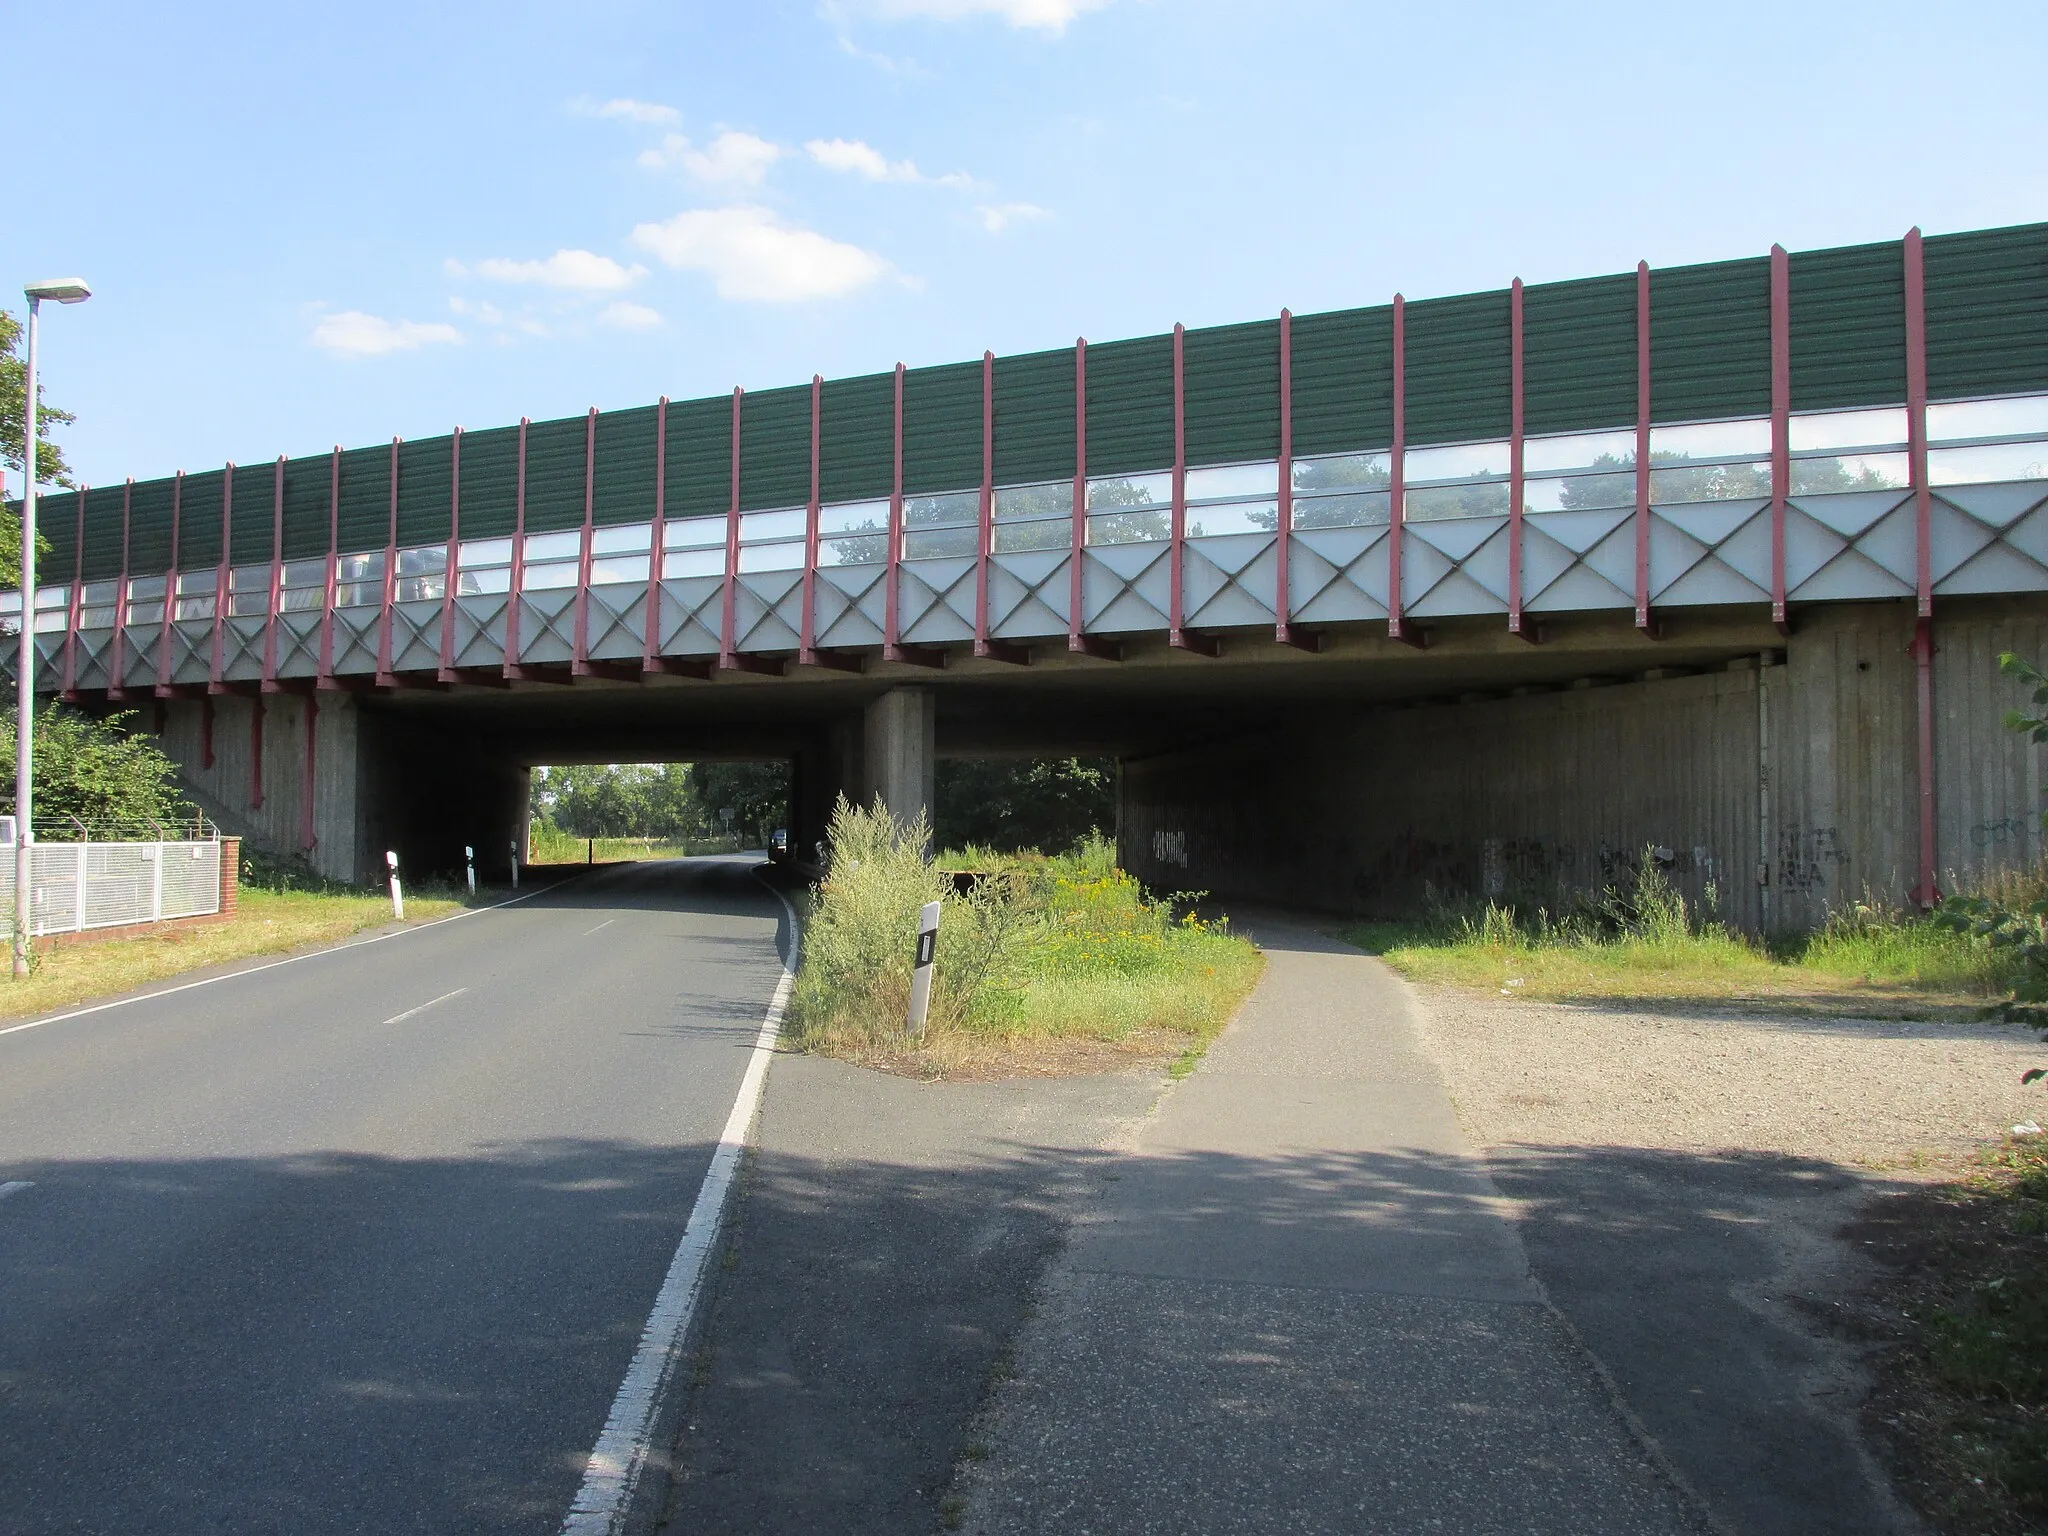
57,560
1710,357
252,525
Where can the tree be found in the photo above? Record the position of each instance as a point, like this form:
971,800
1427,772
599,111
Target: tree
1010,804
757,794
103,772
50,466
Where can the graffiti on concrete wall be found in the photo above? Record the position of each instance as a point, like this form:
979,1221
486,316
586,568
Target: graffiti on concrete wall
2007,832
1807,857
1170,848
1523,870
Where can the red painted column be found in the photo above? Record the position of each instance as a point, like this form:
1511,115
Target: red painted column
1515,459
1781,421
1075,642
163,651
1926,892
1643,445
451,570
892,633
807,643
117,672
651,648
276,586
326,675
77,592
1398,470
384,645
985,539
256,753
579,652
729,617
517,581
1283,573
309,779
1178,527
221,575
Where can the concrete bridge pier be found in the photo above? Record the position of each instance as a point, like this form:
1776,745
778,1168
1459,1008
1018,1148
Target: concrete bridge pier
901,752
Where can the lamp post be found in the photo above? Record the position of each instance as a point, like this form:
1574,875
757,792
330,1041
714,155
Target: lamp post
65,290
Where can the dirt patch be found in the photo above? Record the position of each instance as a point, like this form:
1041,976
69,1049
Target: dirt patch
961,1059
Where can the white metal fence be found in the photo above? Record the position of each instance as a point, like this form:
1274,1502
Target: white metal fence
109,885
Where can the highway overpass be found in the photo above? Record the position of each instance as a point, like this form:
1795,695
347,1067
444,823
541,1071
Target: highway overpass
1476,594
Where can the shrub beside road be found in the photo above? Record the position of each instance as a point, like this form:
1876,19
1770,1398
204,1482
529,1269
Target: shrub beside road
1043,964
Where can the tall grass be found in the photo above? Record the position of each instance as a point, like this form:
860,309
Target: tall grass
551,845
1037,949
1643,938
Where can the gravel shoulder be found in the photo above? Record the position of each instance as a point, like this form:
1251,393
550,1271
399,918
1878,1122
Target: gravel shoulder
1683,1182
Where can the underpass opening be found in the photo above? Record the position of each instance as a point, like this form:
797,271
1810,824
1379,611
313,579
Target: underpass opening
596,813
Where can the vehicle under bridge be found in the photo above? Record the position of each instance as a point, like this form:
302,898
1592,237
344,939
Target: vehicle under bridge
1480,595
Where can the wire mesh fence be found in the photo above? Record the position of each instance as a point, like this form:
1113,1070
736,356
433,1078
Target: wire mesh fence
85,884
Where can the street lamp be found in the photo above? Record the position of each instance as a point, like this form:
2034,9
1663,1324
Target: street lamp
62,290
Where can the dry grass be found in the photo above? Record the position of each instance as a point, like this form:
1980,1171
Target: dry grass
267,923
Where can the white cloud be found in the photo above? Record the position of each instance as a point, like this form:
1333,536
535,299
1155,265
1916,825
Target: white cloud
856,158
997,217
731,157
355,334
1041,15
650,112
629,317
753,255
582,271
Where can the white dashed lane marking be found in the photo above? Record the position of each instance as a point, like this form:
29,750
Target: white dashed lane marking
400,1018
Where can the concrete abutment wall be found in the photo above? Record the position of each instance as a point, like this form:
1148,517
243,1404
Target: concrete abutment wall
1790,788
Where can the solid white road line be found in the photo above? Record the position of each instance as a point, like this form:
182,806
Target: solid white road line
400,1018
614,1466
207,981
605,924
15,1187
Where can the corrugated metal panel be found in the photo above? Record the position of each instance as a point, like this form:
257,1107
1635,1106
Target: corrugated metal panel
1130,405
308,486
856,438
625,466
1987,312
1579,354
554,474
199,519
699,457
366,498
942,428
57,523
102,554
490,483
1460,369
1231,375
1034,417
149,527
253,522
426,475
1848,327
1710,340
1344,381
775,447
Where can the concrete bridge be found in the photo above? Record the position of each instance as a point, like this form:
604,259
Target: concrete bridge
1483,593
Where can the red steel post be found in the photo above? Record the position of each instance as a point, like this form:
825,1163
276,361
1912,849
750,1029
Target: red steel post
656,536
451,565
163,653
807,642
221,574
1781,421
1515,459
1643,445
985,535
275,588
892,633
326,674
517,576
579,650
1283,574
1178,527
1398,470
1075,642
730,613
384,638
117,671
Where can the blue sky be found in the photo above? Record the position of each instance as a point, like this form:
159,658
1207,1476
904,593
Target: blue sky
310,225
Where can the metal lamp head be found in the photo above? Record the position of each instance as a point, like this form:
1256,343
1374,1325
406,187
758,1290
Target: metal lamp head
64,290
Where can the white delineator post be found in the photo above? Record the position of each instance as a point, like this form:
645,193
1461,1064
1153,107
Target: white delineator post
921,972
515,864
397,895
469,867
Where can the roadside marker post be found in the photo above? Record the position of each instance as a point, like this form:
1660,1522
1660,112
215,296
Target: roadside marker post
921,967
469,867
397,895
515,863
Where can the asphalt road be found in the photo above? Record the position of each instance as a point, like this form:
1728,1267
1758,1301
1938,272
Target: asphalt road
365,1242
